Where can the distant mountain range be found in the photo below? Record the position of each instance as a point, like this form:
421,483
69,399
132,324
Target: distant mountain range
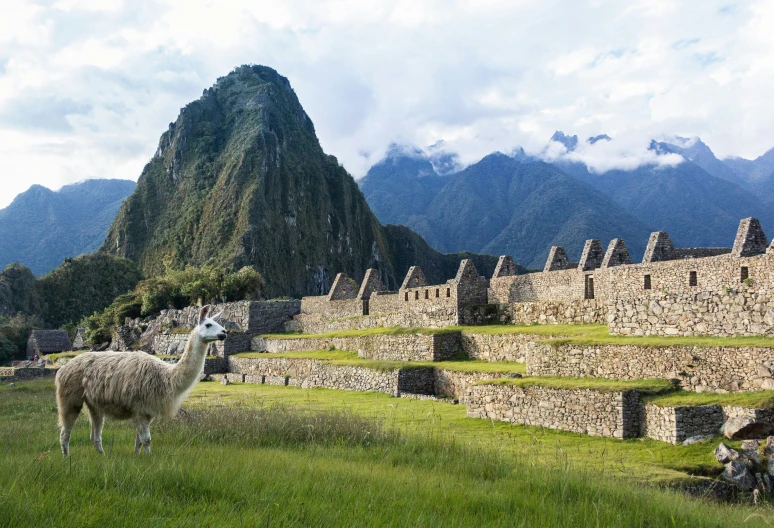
520,205
41,227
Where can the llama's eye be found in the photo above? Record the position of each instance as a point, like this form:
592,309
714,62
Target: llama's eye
208,325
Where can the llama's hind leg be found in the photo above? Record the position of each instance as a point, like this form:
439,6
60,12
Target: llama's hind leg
97,421
67,417
143,437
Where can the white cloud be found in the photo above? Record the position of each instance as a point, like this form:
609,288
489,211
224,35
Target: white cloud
87,87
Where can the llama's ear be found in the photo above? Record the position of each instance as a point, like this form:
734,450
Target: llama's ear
217,316
203,313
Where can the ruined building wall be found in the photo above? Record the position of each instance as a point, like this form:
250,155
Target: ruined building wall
723,296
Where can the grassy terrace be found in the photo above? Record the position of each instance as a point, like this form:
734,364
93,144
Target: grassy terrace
581,334
343,357
65,355
257,455
647,386
751,400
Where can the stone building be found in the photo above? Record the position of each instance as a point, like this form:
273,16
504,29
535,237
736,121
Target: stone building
673,291
42,342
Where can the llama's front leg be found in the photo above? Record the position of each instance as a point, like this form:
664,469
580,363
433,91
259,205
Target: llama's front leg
137,443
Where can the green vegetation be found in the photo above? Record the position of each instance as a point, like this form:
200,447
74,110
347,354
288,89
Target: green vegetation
752,400
279,456
378,330
230,203
84,285
176,289
648,386
347,358
65,355
562,334
14,332
321,355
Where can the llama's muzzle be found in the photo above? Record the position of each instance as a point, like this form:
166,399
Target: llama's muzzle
222,336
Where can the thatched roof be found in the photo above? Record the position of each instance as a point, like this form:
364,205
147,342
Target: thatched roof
48,341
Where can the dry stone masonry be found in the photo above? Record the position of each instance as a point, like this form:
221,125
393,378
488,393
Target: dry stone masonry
610,414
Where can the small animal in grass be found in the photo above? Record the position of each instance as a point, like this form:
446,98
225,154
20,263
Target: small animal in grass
131,385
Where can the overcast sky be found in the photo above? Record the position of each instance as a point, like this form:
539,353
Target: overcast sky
88,86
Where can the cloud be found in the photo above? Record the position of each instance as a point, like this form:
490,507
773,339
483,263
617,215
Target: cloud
87,87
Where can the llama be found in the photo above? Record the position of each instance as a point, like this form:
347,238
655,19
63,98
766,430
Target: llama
131,385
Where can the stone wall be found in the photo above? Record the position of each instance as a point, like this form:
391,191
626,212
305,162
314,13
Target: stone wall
614,414
308,373
696,368
694,296
455,384
26,373
335,309
398,347
676,424
174,344
253,317
498,347
312,373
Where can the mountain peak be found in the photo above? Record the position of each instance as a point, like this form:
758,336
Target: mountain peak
570,142
600,137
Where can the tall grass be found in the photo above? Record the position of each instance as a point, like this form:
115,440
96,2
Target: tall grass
277,465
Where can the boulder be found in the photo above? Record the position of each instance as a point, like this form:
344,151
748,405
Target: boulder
745,427
725,454
696,439
750,449
737,473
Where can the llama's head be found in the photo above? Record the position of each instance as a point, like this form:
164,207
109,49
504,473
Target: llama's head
208,329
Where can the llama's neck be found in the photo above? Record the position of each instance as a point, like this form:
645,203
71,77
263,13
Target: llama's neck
187,371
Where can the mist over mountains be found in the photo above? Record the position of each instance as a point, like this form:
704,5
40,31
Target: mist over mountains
521,205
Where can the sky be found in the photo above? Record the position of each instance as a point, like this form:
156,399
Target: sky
88,86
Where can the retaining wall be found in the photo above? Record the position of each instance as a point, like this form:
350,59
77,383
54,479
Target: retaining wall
676,424
615,414
398,347
498,347
696,368
174,344
308,373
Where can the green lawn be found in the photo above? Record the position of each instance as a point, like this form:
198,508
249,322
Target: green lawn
282,456
343,357
68,355
647,386
581,334
751,400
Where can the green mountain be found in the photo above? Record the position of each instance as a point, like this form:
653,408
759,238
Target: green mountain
42,227
239,180
498,205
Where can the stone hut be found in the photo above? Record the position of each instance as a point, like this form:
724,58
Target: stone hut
42,342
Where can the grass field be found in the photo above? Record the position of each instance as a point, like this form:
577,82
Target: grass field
751,400
579,334
282,456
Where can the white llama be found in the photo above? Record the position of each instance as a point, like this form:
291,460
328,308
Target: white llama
134,385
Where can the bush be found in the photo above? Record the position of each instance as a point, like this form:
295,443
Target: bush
175,289
14,332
